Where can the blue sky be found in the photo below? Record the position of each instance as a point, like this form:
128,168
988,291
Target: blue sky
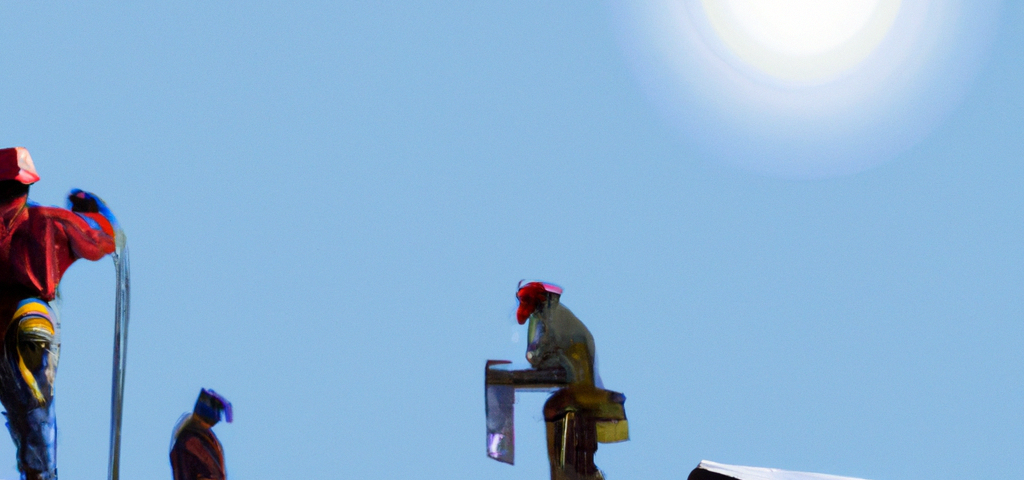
329,207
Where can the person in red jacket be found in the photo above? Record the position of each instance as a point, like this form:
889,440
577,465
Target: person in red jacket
37,245
196,454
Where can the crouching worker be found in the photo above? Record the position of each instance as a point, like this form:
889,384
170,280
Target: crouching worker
580,414
37,245
196,454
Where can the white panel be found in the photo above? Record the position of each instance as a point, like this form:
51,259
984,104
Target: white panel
759,473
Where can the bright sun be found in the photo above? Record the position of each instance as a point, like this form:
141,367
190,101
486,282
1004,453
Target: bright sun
806,88
805,41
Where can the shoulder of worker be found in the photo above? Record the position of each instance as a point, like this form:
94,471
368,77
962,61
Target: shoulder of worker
193,434
567,324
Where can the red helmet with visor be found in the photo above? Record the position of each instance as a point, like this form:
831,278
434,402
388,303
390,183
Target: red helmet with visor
16,164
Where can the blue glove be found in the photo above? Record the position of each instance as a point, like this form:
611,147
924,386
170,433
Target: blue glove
80,201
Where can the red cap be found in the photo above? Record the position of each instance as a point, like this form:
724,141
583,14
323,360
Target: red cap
16,164
531,296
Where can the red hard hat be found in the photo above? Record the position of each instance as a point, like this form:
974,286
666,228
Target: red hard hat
16,164
531,296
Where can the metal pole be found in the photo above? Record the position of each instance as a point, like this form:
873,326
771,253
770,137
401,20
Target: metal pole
121,311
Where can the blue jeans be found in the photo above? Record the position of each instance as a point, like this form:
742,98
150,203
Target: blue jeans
30,353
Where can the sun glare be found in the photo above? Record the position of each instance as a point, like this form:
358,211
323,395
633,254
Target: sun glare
799,27
805,41
806,88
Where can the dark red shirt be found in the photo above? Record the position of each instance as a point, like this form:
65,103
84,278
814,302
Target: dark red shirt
38,244
197,454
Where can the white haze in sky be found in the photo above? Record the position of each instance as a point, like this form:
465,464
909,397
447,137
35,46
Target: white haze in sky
798,88
799,27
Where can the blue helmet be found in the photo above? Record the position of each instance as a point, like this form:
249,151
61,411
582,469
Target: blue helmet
210,405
